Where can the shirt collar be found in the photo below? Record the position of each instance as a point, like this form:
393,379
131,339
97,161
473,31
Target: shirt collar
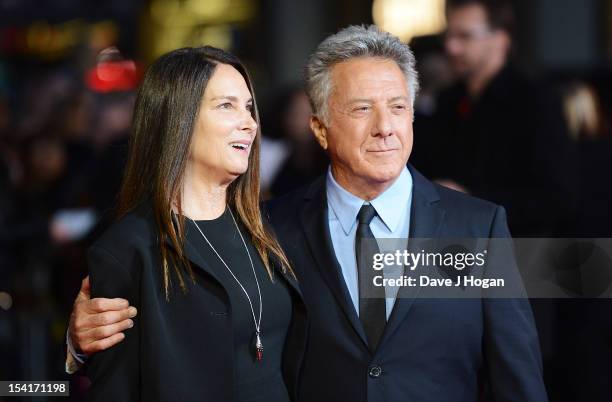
390,206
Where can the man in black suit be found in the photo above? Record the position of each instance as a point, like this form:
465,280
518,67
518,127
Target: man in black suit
499,135
362,84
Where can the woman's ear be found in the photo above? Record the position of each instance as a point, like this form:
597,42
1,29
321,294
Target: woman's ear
319,130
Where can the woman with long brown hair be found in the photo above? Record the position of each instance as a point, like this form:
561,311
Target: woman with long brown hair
220,314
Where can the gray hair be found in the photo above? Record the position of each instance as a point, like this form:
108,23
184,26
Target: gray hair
352,42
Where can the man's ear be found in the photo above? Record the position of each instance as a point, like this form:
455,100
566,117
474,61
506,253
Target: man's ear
503,40
319,130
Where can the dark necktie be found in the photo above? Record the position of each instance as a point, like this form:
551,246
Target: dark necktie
372,311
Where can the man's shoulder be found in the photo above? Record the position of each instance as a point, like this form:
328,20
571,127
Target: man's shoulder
448,197
466,215
464,202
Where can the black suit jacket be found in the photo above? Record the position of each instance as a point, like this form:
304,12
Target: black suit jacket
431,350
178,350
509,146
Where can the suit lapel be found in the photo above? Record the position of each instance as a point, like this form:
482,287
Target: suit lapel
194,256
426,219
290,279
191,252
315,223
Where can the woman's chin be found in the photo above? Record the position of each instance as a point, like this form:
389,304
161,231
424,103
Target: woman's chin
236,172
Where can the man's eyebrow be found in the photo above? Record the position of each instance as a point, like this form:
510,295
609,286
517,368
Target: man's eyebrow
360,100
396,98
365,100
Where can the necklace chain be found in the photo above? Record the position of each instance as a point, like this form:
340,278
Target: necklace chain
257,322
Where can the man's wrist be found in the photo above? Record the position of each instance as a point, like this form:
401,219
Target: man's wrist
80,358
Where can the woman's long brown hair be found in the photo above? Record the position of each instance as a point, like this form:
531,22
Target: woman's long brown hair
165,115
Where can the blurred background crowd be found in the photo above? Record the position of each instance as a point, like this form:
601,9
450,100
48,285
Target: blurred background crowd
515,107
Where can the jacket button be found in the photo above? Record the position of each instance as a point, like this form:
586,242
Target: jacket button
375,371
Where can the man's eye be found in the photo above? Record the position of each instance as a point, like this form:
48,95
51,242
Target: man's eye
362,109
399,107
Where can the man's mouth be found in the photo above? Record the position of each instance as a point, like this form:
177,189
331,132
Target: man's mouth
380,151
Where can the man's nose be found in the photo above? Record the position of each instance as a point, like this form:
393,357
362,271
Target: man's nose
452,45
383,126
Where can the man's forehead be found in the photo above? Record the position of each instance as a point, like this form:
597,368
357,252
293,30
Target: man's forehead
472,15
357,77
364,66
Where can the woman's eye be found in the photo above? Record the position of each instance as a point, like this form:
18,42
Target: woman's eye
226,105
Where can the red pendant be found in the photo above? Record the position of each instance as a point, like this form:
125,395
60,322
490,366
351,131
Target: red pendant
258,349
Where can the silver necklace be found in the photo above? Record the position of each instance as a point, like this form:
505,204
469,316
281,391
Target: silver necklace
257,322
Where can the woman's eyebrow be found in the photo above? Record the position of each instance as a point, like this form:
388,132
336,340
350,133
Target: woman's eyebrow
230,98
225,97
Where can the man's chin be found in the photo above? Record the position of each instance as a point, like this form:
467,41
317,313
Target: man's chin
386,174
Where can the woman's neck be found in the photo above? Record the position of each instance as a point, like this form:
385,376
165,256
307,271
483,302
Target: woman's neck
203,199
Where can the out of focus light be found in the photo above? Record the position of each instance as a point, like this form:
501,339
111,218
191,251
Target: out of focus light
215,35
221,11
6,301
208,9
409,18
218,36
169,13
113,76
171,24
39,35
48,41
103,34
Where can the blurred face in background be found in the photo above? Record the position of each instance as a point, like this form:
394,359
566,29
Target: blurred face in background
225,128
369,132
470,42
297,118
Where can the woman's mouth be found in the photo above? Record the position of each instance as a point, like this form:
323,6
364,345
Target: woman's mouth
240,146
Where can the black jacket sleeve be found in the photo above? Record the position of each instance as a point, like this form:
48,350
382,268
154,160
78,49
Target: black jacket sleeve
511,347
115,372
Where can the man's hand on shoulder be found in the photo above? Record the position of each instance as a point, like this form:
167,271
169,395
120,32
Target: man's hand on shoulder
97,324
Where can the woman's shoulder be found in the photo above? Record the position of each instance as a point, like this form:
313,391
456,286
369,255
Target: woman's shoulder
131,232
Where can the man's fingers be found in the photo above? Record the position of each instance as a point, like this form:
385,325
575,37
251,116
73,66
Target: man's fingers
99,333
111,317
84,294
103,344
101,305
85,286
